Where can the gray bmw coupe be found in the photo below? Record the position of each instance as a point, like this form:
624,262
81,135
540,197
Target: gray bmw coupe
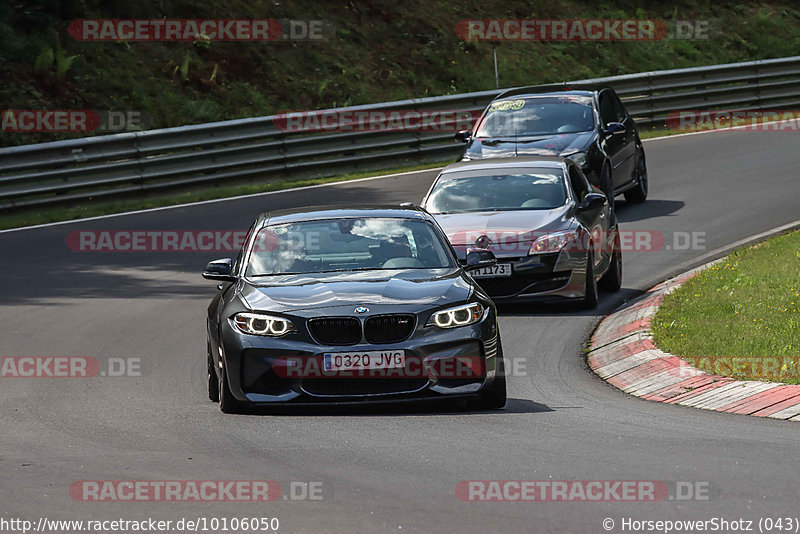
335,305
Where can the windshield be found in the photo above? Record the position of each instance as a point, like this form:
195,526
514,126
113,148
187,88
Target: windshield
347,245
544,115
478,191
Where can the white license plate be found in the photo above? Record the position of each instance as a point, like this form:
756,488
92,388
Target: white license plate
501,269
370,359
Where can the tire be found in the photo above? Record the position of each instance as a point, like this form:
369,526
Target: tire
639,193
213,381
590,293
612,280
494,397
607,185
227,402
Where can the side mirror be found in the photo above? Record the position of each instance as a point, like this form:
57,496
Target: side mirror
463,136
219,270
406,204
614,128
479,258
592,201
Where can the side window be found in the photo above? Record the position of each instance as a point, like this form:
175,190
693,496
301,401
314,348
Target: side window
578,182
619,109
607,111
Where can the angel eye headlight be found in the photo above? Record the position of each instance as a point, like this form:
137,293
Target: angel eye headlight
458,316
259,324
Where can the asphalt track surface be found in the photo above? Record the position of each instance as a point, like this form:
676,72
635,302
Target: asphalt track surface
383,470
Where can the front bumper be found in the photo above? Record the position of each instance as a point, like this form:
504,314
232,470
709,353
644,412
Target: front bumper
557,276
258,372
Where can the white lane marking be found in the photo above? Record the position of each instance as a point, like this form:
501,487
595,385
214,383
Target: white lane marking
214,200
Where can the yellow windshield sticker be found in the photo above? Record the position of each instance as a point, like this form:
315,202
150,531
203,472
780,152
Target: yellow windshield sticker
507,105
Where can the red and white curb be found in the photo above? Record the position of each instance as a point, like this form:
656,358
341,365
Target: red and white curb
622,353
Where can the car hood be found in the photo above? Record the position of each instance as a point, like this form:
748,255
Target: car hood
549,145
463,229
415,287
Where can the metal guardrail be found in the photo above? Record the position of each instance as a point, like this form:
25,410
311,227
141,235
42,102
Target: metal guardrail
238,150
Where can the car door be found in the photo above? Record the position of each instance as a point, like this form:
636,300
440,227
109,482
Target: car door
628,144
612,144
595,221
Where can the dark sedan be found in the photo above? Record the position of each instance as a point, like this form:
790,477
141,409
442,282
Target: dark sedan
334,305
589,125
554,235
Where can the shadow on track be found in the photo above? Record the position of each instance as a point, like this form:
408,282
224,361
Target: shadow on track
417,409
40,266
648,210
608,302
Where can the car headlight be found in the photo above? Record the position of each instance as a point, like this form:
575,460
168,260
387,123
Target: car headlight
458,316
579,158
259,324
553,242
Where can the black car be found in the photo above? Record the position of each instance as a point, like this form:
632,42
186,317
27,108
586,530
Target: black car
335,305
588,125
554,235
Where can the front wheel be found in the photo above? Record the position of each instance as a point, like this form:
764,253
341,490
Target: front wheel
494,397
612,280
213,381
590,293
227,402
639,193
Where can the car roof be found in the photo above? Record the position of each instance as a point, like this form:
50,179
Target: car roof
553,90
312,213
507,163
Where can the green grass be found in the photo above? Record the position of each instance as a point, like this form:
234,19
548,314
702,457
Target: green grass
92,208
741,317
650,133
